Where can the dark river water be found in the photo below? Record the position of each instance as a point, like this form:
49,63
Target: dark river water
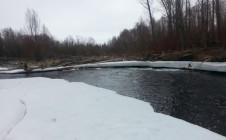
196,97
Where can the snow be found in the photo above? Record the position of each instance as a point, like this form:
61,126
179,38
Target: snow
17,71
12,111
52,109
205,66
3,69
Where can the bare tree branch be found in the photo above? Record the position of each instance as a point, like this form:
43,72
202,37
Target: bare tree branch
32,22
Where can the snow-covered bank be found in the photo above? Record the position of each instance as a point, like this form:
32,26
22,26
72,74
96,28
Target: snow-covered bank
205,66
59,110
3,69
18,71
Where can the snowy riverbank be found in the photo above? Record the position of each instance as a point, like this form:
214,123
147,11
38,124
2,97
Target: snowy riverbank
205,66
44,109
190,65
35,70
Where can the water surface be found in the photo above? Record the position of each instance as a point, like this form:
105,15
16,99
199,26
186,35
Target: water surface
196,97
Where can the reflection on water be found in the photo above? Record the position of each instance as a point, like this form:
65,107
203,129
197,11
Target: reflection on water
199,98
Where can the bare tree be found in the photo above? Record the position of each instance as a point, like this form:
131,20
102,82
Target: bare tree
203,22
45,30
1,46
168,6
179,22
187,15
32,22
33,27
147,5
218,17
213,18
9,44
91,41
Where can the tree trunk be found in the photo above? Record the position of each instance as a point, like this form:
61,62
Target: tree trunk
152,22
218,17
212,23
180,23
203,24
1,46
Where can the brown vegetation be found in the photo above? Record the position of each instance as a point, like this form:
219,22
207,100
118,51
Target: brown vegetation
186,32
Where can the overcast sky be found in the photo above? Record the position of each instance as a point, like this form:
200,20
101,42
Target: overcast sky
100,19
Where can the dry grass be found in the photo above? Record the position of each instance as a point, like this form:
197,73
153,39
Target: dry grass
201,54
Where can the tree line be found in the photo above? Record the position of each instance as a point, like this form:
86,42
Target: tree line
35,41
183,25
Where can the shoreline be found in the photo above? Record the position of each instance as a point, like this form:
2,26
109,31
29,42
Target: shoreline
219,67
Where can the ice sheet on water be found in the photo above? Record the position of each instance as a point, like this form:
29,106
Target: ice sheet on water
59,110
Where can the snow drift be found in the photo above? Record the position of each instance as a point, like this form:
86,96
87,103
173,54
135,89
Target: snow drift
47,109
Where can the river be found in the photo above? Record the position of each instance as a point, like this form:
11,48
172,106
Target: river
196,97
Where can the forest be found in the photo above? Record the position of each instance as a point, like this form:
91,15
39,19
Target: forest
184,25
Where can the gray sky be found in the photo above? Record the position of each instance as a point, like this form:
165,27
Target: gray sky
100,19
